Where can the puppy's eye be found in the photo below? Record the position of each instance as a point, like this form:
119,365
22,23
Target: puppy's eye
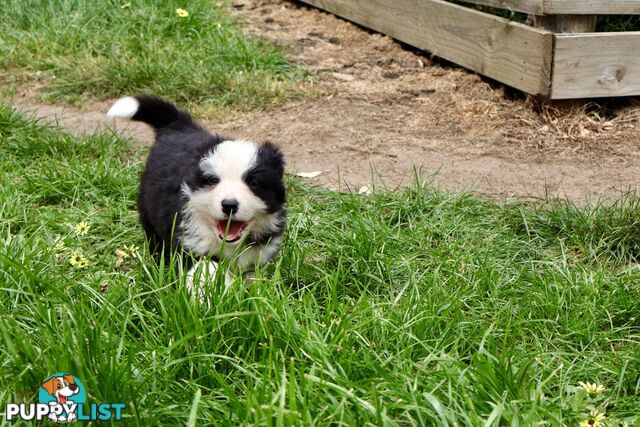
210,180
59,385
253,182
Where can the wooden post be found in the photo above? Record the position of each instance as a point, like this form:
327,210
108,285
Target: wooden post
566,23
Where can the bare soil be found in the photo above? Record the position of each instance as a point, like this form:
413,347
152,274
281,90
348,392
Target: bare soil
383,110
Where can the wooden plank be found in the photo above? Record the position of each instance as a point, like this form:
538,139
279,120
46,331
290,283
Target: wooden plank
565,7
596,65
592,7
534,7
512,53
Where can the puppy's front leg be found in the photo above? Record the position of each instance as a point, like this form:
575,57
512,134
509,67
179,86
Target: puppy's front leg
204,271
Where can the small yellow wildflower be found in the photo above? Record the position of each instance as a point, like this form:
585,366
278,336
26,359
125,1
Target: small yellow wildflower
595,419
81,228
123,254
78,260
592,389
125,6
182,13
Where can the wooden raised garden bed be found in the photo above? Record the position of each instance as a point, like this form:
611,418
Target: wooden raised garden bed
559,56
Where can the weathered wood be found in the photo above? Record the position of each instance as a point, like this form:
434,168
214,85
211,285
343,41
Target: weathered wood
566,23
534,7
591,7
596,65
512,53
566,7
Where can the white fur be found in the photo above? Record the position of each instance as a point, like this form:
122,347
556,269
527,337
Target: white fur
124,108
201,272
257,255
230,159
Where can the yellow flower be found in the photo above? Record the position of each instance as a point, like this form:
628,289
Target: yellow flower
182,13
592,389
78,260
123,254
81,228
595,419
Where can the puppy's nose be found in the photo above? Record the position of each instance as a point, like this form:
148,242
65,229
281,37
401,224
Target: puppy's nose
229,206
73,387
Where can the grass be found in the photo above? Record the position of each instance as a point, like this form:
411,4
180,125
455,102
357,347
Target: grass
397,308
100,49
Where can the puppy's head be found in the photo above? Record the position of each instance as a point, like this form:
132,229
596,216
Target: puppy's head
238,189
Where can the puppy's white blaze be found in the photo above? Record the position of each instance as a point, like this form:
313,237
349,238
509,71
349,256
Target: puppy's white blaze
124,108
230,159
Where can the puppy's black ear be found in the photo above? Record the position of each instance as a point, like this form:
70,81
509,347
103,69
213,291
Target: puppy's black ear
270,155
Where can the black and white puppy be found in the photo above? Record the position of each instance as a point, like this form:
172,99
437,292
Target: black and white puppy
206,195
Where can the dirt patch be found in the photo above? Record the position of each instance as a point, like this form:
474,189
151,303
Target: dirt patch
384,109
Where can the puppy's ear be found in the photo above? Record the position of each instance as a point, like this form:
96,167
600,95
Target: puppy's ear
270,155
69,378
49,385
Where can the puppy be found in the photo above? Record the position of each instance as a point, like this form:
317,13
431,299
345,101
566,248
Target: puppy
205,195
61,388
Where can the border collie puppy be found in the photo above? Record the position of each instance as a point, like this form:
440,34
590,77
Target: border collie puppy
206,195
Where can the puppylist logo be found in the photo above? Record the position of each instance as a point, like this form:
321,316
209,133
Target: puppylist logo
62,398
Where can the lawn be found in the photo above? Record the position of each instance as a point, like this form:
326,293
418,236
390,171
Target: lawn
77,50
407,307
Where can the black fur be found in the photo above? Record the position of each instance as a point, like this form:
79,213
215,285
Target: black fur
161,114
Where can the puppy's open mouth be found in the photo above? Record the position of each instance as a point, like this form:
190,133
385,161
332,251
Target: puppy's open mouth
234,232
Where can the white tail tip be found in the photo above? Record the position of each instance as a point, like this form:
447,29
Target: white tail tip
124,108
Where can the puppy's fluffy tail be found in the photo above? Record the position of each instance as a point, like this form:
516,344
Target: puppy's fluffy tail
152,110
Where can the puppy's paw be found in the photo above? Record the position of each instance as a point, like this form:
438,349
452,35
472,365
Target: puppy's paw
202,273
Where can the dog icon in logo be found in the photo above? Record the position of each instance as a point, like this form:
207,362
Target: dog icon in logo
61,388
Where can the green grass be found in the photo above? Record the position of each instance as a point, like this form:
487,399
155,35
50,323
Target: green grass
399,308
79,49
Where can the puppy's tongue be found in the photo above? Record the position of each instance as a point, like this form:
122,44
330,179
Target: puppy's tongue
235,229
63,400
